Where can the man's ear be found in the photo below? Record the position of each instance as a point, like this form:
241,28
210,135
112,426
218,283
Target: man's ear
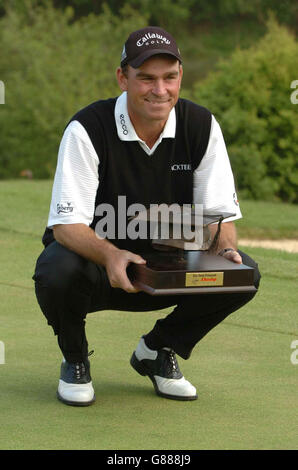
181,74
121,79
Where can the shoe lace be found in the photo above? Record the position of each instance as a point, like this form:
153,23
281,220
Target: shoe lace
80,368
172,359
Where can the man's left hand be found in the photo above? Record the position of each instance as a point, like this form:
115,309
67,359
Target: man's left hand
233,256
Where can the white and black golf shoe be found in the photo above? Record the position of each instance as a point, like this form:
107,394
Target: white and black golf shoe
163,370
75,384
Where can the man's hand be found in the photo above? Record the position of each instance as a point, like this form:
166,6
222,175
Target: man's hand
233,256
83,240
227,240
116,269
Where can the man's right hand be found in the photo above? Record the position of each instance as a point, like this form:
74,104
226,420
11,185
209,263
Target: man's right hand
82,240
116,265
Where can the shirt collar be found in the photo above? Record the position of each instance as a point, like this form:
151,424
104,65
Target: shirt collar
125,128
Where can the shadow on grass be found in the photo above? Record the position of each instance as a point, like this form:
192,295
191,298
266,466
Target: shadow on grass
43,392
117,390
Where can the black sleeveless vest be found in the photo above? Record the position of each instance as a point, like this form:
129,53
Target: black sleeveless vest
126,170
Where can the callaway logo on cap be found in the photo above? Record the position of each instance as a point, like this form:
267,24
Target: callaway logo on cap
145,43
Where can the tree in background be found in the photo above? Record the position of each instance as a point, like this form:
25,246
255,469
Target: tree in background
56,59
176,14
250,96
52,66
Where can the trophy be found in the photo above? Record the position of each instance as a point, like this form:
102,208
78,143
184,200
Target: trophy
187,265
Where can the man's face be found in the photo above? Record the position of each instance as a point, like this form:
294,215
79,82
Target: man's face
152,89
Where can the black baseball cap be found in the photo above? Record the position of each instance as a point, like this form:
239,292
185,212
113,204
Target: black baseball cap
145,43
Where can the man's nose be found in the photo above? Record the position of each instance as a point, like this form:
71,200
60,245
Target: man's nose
159,88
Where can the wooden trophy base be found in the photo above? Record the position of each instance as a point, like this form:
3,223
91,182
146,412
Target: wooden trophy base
190,272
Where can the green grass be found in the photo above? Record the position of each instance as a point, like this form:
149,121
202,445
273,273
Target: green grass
246,382
268,220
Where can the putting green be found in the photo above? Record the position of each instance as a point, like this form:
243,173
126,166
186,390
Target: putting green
246,382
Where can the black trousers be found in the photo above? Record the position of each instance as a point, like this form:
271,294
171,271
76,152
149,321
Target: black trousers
68,287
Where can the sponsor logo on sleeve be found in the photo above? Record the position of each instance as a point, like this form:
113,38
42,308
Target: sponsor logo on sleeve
64,208
235,199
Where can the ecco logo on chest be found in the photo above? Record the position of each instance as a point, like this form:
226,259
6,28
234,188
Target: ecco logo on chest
123,124
181,167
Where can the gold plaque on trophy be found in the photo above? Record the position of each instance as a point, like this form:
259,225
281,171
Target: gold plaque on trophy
204,279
